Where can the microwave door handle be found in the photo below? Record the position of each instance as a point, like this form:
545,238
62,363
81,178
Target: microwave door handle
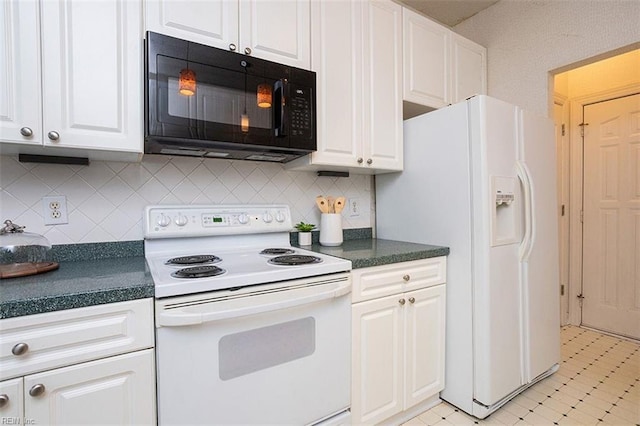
280,92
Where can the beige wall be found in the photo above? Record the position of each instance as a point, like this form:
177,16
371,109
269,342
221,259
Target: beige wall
526,40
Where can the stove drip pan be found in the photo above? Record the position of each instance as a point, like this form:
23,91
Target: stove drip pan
277,251
194,260
294,260
198,272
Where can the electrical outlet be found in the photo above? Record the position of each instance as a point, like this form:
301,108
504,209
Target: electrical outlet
354,207
55,210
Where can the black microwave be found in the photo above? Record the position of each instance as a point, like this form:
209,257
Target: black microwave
208,102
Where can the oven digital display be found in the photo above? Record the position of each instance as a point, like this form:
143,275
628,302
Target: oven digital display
214,220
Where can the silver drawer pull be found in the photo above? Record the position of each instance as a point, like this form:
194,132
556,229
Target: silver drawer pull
406,277
401,301
26,132
20,349
36,390
412,300
4,400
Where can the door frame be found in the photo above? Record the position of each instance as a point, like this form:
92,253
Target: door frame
575,199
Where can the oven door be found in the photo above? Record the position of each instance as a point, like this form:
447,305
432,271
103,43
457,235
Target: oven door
272,357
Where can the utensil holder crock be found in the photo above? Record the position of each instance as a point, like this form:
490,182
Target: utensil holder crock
330,229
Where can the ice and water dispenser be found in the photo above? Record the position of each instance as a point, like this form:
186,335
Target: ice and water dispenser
505,210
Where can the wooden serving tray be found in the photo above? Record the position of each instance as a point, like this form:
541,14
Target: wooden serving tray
14,270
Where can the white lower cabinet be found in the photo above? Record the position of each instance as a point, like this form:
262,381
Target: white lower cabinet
398,346
45,383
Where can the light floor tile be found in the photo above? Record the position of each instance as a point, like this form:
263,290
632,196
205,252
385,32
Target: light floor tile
580,393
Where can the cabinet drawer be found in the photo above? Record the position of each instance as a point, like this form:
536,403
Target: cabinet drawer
56,339
380,281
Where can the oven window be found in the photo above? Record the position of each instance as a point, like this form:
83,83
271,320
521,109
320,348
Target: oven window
261,348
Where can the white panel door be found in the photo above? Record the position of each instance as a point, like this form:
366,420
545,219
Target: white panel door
12,407
611,229
424,359
468,69
277,30
20,96
426,60
92,74
382,93
337,60
377,350
540,261
117,391
210,22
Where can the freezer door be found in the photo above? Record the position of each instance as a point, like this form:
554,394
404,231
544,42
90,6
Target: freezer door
497,323
540,263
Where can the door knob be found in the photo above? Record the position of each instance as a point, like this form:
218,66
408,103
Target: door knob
401,301
412,300
4,400
36,390
360,160
232,47
369,161
53,135
20,349
26,132
406,277
247,50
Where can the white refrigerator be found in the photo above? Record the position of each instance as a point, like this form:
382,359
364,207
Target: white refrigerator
479,177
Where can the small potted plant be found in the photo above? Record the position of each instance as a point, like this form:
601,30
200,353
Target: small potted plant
304,233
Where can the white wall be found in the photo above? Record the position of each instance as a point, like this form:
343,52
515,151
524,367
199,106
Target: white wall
526,39
106,199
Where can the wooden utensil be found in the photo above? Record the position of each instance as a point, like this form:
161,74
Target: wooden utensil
339,204
331,201
322,204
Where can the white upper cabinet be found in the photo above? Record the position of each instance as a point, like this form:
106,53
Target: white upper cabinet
356,53
440,66
426,60
74,77
468,68
273,30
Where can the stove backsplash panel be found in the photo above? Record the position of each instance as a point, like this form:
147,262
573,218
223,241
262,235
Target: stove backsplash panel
105,199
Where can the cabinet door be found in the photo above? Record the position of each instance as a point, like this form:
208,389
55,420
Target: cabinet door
92,74
425,327
276,30
20,98
337,60
426,60
210,22
11,401
468,69
377,373
118,390
382,47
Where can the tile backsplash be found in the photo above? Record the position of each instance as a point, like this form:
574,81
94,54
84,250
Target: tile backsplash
105,200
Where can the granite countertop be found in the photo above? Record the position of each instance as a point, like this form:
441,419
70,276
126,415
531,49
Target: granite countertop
364,253
98,273
92,276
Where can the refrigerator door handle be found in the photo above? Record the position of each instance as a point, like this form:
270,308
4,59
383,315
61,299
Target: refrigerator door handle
529,220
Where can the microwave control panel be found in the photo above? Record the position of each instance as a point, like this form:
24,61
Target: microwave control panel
300,104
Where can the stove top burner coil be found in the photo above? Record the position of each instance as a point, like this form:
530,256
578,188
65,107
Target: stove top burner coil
277,251
294,259
198,272
193,260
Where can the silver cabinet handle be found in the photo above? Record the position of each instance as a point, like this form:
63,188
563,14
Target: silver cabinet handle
53,135
26,132
20,349
412,300
360,160
406,277
4,400
36,390
401,301
247,50
232,47
369,161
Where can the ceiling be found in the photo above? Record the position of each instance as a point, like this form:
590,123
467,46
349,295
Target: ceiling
449,12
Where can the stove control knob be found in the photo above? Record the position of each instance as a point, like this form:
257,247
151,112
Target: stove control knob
164,220
280,217
243,218
267,218
181,220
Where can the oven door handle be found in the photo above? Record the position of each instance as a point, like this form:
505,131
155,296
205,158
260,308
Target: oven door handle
179,317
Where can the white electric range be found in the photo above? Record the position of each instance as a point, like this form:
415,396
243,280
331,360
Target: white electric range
248,328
